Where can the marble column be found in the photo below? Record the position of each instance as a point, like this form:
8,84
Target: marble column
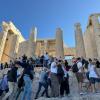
33,34
59,43
96,26
80,50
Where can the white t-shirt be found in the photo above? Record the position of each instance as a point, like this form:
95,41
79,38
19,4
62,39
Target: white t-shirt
92,72
53,68
79,65
46,57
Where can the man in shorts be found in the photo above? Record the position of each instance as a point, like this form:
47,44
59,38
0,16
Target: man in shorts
79,75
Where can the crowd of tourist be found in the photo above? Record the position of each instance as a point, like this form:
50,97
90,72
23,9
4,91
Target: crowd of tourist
54,76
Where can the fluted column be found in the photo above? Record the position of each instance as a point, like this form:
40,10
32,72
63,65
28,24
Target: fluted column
59,43
96,26
79,42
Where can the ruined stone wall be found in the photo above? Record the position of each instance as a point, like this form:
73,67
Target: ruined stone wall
7,49
10,37
88,44
69,51
23,47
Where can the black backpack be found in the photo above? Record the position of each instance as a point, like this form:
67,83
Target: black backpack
75,68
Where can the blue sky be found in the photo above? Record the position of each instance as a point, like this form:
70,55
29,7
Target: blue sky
47,15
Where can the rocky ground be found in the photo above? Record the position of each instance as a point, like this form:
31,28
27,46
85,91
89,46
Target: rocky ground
74,95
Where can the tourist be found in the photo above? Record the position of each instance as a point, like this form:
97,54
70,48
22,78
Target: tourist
42,60
43,83
1,66
97,63
54,79
27,77
46,59
6,65
65,84
66,65
93,76
24,58
60,75
10,64
12,79
86,82
79,75
3,85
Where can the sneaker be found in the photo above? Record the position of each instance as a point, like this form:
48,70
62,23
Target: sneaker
81,93
35,98
97,91
48,96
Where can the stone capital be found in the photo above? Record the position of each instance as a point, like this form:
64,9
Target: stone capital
95,21
77,26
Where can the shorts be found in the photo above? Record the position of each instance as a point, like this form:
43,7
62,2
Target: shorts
79,77
94,80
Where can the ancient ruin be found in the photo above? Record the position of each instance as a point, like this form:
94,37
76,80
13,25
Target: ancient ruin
87,44
13,44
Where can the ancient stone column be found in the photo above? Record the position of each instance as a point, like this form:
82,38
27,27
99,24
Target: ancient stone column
31,49
96,26
32,41
80,50
33,34
59,43
46,46
14,46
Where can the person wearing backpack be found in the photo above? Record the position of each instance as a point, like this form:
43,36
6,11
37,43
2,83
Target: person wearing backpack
12,79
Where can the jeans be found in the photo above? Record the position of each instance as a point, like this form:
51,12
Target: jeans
39,89
26,95
18,92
